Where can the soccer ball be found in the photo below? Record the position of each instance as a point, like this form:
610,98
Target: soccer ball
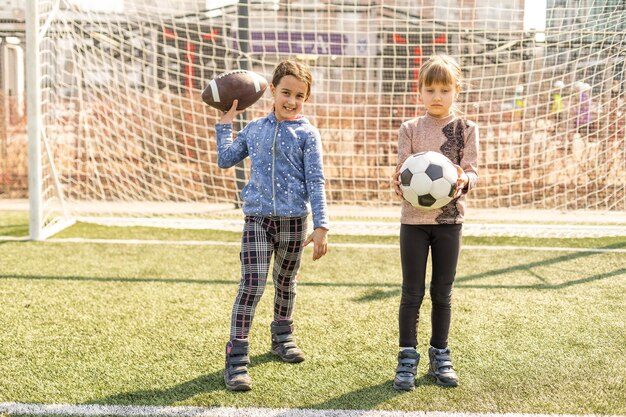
428,180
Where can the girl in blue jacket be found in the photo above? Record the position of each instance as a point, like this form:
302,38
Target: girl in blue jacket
286,174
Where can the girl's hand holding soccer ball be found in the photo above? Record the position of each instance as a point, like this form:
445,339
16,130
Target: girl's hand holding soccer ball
395,183
461,182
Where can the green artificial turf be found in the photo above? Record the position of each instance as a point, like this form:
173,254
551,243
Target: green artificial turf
532,332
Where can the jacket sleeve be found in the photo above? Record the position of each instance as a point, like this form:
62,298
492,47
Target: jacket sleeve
230,152
315,180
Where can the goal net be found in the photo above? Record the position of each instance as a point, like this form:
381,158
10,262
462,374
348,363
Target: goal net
123,131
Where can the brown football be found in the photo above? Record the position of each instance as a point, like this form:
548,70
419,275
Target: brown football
242,85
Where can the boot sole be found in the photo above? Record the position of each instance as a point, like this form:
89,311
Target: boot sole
240,387
237,387
403,387
295,359
443,383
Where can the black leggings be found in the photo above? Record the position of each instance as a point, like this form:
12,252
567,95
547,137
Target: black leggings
444,241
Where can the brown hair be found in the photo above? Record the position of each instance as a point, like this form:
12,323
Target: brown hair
442,69
295,69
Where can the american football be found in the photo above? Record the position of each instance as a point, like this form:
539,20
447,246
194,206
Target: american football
242,85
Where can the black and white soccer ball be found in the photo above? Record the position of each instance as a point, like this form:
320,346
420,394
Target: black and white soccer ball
428,180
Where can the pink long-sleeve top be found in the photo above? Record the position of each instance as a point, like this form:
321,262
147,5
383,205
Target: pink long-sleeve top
454,137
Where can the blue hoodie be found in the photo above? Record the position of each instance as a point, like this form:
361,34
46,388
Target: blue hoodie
286,169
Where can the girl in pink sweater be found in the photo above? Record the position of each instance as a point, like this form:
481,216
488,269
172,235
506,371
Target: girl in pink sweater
440,130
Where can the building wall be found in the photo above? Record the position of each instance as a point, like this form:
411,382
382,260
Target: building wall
12,9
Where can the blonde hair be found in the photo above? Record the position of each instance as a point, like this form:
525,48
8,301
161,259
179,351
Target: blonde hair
442,69
296,69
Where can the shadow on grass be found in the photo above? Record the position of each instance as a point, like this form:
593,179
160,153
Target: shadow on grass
165,280
376,293
119,279
366,398
461,282
546,286
370,296
546,262
181,392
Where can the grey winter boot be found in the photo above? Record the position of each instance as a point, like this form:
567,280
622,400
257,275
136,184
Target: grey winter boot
408,359
236,374
441,367
283,343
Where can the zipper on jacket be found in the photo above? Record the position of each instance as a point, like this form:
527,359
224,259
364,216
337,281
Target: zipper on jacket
273,167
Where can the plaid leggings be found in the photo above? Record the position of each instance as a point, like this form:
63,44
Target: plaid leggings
262,236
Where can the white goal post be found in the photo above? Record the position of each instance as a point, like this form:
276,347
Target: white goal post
117,126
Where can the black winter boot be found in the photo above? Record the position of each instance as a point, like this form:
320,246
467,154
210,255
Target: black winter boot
441,367
408,359
236,374
283,343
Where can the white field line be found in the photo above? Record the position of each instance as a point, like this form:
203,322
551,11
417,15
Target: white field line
331,244
168,411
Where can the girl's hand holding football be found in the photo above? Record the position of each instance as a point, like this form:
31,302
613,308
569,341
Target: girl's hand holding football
461,182
395,183
230,115
320,244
